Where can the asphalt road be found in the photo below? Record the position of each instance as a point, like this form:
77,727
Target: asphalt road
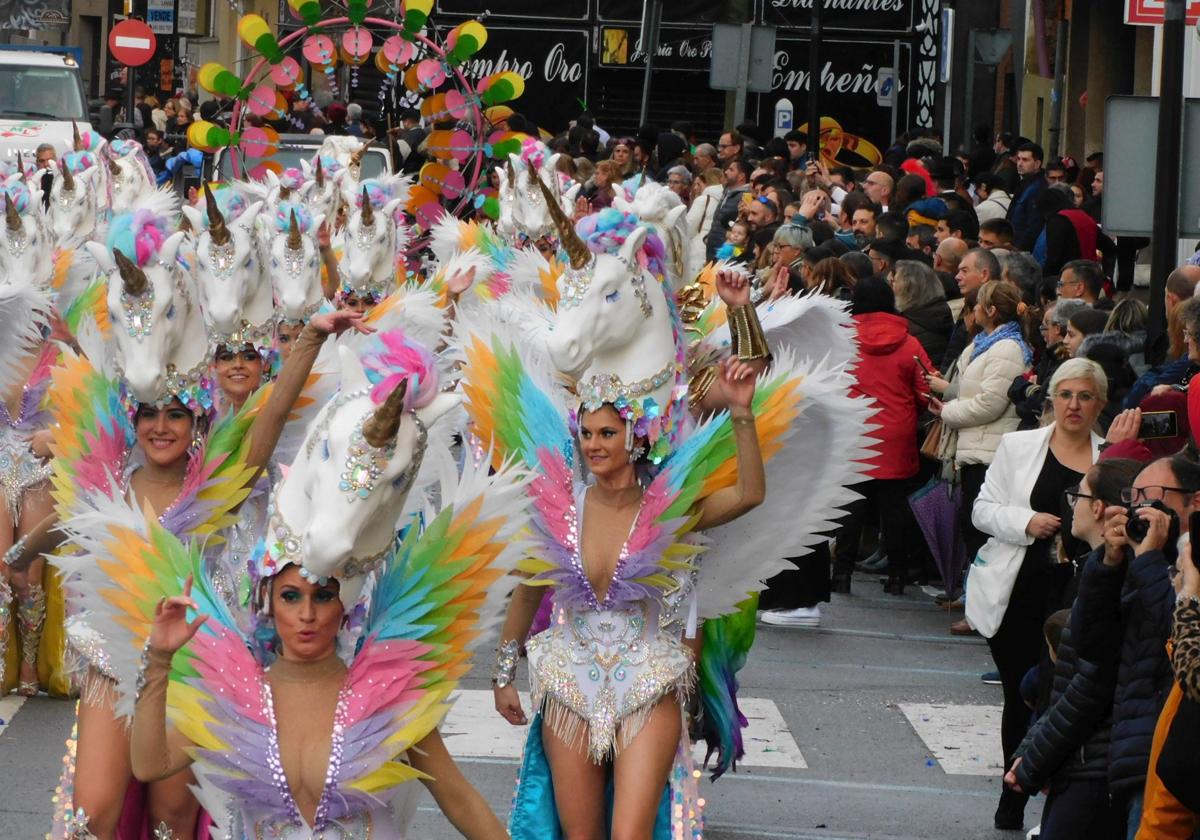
876,725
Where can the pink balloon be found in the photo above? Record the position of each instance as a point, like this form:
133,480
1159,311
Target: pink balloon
398,51
431,73
286,73
255,143
456,104
318,49
357,42
262,100
462,145
429,213
454,184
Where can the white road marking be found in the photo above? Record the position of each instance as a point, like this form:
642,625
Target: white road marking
8,708
965,740
473,729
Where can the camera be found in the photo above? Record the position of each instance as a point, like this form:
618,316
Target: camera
1137,528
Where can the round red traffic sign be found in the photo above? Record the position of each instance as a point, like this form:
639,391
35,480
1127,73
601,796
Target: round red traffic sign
132,43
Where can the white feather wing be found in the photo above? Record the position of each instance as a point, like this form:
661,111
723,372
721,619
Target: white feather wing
808,485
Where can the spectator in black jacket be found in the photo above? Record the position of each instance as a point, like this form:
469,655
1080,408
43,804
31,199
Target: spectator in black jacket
922,302
737,184
1122,615
1066,751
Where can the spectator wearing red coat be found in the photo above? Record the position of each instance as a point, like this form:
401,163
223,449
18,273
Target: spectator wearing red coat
888,372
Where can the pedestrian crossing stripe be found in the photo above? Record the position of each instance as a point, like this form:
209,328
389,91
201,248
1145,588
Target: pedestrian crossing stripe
965,740
474,729
8,708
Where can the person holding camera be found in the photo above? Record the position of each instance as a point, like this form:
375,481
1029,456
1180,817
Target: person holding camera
1022,507
1123,614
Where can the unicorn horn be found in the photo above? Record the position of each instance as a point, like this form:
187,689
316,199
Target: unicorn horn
319,175
20,164
68,178
642,180
133,277
293,240
284,193
368,212
75,137
381,428
11,217
575,247
216,222
356,157
113,168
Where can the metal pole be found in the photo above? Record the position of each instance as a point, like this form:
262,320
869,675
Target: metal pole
895,89
814,82
1165,235
1060,75
650,16
740,94
969,92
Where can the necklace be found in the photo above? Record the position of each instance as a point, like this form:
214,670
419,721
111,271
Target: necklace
306,671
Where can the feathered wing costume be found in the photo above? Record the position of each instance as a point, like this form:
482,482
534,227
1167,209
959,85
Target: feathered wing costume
513,400
436,589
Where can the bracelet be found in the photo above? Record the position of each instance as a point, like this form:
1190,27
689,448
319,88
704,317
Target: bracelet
700,384
505,669
742,421
1192,600
748,341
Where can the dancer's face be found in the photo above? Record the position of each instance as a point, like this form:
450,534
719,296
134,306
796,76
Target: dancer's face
164,433
239,371
602,440
307,616
285,337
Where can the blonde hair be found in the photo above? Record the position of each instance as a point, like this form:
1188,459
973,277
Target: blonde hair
1005,298
1077,368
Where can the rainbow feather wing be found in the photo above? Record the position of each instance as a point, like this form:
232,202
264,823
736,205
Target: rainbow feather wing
508,406
91,303
92,434
438,591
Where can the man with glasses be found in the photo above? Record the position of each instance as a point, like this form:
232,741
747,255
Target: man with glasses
878,187
1083,280
1122,617
730,147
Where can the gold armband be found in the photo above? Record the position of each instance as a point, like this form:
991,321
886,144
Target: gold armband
700,383
749,343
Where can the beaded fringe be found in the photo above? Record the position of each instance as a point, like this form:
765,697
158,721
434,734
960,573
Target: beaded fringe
572,729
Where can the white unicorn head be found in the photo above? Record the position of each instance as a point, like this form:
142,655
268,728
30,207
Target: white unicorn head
295,265
372,242
336,511
234,290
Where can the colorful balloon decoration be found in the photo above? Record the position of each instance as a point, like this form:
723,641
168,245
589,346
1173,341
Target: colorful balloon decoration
408,52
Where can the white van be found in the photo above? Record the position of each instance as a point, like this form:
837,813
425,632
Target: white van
40,93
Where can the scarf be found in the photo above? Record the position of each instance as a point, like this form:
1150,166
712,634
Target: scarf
1010,331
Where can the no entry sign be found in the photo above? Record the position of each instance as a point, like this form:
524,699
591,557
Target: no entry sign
132,43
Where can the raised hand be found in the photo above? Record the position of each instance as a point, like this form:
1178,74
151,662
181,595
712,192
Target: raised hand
737,382
171,630
460,281
733,287
336,323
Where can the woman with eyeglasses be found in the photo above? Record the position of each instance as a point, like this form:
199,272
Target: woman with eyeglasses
1067,749
1022,508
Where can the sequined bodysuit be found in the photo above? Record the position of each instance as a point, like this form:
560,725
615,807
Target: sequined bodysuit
598,671
20,469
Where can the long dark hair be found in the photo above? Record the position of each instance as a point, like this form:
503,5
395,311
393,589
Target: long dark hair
872,294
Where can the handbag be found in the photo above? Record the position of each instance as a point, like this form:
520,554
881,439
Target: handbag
932,445
1179,762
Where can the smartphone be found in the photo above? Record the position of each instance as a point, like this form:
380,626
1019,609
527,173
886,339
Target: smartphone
919,361
1158,424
